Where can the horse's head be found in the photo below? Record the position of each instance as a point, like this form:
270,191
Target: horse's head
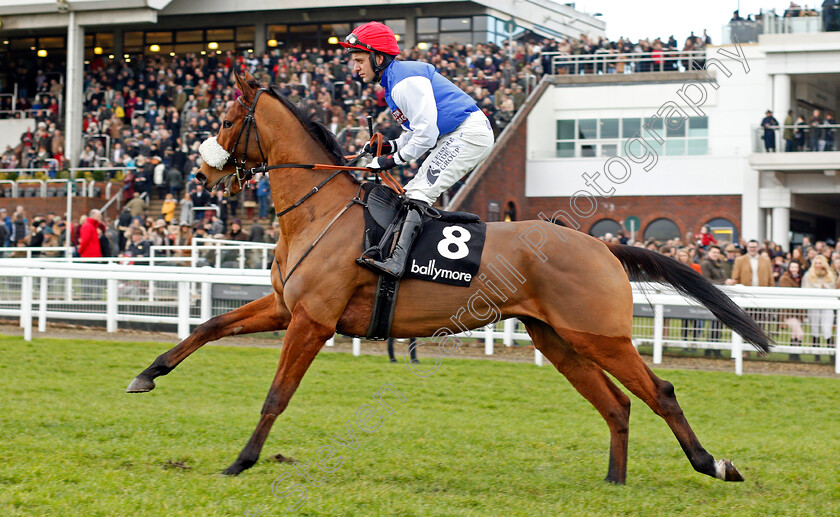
236,143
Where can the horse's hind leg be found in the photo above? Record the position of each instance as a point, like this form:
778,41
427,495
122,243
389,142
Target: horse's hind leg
301,344
618,356
590,381
260,315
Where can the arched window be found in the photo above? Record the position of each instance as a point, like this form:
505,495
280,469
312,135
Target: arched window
661,230
603,227
723,229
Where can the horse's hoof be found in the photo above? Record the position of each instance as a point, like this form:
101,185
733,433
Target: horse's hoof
238,466
233,470
140,385
726,471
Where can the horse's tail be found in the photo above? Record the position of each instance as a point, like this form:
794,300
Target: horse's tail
645,265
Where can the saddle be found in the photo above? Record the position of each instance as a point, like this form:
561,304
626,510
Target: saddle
431,258
385,211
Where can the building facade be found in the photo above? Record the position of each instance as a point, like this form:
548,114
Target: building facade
660,154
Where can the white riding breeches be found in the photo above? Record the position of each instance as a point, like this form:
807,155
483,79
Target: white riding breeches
453,157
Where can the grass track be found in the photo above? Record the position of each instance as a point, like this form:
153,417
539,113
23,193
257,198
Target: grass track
476,438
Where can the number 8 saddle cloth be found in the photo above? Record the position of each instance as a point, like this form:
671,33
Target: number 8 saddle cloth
448,249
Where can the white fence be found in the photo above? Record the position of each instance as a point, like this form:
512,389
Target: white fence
187,296
201,252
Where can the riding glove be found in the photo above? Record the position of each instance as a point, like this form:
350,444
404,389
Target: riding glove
383,163
388,147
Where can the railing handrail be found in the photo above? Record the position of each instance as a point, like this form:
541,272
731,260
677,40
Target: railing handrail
603,58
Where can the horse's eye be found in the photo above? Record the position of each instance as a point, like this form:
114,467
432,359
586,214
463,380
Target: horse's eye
227,123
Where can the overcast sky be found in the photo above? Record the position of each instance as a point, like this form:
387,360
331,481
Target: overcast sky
661,18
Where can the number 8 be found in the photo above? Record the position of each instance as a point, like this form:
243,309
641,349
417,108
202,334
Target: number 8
459,240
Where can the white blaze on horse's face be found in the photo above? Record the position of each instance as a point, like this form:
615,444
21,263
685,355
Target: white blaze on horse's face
213,154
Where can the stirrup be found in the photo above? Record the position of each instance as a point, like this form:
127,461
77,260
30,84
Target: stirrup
384,267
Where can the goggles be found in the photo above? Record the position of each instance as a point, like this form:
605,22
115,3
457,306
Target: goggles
352,39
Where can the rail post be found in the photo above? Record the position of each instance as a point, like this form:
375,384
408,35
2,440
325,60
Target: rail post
658,331
26,307
538,357
183,310
837,345
507,336
488,339
206,301
357,347
738,353
111,305
42,306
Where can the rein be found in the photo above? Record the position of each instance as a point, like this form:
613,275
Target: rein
244,175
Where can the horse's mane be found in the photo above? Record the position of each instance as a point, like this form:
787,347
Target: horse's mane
315,127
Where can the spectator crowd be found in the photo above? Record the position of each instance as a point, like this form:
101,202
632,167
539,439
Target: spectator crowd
750,263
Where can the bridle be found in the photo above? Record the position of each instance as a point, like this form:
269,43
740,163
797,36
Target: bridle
243,174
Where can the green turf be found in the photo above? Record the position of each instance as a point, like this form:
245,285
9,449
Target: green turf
476,438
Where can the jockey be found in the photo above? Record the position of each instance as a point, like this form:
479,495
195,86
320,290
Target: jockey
437,116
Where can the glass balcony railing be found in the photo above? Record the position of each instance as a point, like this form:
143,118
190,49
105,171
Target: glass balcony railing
796,138
792,21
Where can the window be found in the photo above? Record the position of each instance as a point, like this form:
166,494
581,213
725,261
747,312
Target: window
723,229
220,35
158,37
603,227
661,230
455,24
493,212
189,36
427,25
246,35
606,137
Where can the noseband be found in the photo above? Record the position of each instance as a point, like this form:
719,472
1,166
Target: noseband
243,175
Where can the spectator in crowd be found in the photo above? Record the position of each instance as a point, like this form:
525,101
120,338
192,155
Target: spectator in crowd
168,208
139,246
89,245
799,133
815,131
5,225
137,207
263,196
820,276
828,132
705,237
770,124
236,232
793,318
712,268
186,203
200,197
787,134
752,269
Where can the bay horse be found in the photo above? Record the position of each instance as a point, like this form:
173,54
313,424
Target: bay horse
571,291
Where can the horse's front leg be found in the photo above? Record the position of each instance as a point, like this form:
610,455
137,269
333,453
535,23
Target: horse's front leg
302,342
263,315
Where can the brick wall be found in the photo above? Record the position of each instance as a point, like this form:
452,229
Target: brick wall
688,212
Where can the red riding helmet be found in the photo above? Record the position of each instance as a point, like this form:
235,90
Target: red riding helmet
372,37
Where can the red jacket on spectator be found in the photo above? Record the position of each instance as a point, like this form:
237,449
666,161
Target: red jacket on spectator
706,238
89,239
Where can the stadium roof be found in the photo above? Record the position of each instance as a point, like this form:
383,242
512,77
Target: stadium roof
548,17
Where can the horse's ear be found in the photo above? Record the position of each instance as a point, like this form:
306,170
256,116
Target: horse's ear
242,84
248,77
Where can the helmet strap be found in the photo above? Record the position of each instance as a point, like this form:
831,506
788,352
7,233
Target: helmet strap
377,69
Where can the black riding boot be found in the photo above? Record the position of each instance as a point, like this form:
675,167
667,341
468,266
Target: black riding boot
395,264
